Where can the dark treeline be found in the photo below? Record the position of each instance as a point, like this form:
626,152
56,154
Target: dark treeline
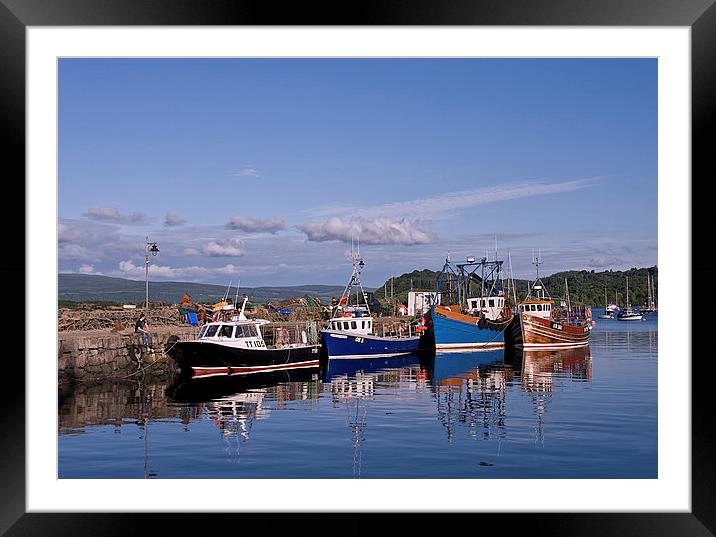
586,287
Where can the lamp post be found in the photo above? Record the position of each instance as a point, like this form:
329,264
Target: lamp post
149,247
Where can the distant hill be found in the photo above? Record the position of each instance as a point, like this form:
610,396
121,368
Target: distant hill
94,288
585,287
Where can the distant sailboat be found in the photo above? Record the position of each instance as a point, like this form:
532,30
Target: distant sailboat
609,309
628,314
651,300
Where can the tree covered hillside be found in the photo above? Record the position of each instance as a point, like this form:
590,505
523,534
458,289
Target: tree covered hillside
585,287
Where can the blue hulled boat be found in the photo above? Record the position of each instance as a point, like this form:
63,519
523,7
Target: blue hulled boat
473,314
350,333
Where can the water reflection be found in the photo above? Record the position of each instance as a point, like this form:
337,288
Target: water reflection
538,371
352,385
479,395
470,391
118,405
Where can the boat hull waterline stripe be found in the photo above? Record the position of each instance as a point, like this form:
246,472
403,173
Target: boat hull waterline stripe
214,371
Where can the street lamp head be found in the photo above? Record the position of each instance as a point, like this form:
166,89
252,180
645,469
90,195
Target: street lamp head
154,249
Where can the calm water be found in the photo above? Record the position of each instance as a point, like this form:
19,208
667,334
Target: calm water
589,413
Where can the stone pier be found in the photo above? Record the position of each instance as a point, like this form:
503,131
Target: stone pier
91,356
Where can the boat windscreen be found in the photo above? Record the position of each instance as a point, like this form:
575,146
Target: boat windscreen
211,331
246,330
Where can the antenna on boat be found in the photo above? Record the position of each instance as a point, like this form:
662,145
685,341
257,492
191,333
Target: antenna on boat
236,298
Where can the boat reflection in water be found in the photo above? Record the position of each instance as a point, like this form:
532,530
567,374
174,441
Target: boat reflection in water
539,370
234,404
470,391
353,384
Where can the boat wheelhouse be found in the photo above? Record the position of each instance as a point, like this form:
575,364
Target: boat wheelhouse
473,313
540,324
351,333
237,347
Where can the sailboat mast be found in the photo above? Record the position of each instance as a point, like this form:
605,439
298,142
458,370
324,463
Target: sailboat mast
566,288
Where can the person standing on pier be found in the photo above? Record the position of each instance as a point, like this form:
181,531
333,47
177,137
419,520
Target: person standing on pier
142,327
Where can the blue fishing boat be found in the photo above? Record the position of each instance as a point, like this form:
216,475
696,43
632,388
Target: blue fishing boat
350,333
473,313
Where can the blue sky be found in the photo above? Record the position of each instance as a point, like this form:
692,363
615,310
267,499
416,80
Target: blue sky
261,170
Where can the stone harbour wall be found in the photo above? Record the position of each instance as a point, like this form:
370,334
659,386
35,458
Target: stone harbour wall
101,355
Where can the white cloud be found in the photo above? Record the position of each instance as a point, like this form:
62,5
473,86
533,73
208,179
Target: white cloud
441,205
256,225
110,214
172,219
191,251
369,231
127,269
227,248
87,269
602,261
66,233
70,251
246,172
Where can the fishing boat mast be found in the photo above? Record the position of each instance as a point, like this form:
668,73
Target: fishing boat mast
354,281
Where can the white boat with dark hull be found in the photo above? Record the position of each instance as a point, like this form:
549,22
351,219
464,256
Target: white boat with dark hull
237,347
610,310
628,314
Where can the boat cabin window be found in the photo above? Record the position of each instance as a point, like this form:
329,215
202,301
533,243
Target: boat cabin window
211,331
201,332
346,325
354,325
226,330
533,307
491,303
369,323
539,307
246,330
362,324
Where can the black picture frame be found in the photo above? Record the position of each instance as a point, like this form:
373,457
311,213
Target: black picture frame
699,15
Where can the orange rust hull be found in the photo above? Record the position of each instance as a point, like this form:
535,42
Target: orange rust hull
532,332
